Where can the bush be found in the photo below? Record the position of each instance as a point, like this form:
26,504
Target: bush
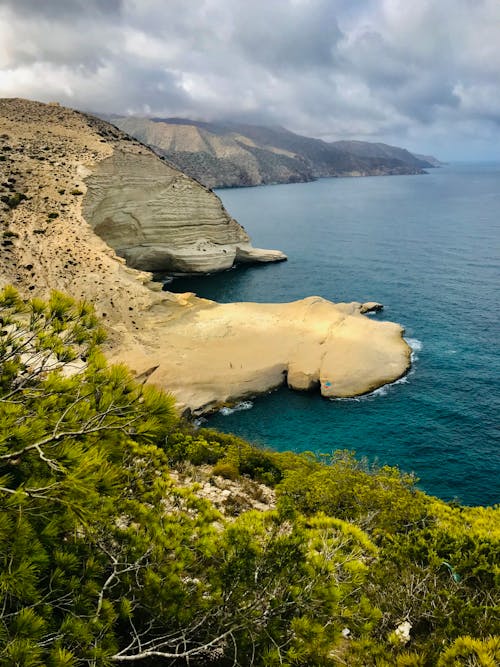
381,499
474,652
14,200
183,445
226,470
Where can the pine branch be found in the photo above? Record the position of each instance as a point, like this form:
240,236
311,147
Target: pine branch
196,651
87,429
115,574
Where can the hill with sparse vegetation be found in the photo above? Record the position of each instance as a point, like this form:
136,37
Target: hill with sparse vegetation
228,154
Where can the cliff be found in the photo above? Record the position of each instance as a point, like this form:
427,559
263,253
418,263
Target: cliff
159,219
154,216
234,154
77,193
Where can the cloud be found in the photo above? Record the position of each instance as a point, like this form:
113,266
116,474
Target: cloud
375,69
64,10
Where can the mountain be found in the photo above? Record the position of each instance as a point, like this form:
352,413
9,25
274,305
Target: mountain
367,149
216,156
226,154
433,161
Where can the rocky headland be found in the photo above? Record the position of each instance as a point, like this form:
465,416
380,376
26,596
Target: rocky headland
89,211
159,219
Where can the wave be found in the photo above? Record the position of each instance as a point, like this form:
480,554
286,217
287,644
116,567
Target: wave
244,405
384,389
416,346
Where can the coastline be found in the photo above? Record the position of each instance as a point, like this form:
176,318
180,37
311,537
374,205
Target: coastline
211,355
109,193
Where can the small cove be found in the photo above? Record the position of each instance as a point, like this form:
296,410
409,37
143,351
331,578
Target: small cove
427,247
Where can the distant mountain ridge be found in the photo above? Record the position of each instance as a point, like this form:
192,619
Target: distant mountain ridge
379,150
430,159
228,154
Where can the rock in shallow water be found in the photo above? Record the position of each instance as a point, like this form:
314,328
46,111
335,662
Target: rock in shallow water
371,307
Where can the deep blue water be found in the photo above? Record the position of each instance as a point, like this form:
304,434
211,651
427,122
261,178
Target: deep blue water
427,247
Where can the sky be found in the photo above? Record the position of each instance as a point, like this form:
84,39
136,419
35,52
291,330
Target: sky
423,74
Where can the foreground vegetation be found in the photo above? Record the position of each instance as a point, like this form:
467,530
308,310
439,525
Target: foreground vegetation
104,560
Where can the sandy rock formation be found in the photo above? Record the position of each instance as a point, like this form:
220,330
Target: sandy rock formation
220,353
205,353
371,307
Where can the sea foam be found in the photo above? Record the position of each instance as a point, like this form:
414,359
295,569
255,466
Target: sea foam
416,346
244,405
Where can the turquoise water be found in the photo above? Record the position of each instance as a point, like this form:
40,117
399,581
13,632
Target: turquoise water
427,247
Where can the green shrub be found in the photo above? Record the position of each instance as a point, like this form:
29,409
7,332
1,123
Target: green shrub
473,652
257,463
383,499
226,470
14,200
183,445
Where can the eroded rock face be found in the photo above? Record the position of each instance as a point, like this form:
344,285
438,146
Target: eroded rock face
159,219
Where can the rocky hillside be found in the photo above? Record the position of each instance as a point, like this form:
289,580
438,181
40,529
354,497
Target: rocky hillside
433,161
218,157
153,215
84,206
378,151
232,155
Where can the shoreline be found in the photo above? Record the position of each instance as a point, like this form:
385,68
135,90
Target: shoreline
213,355
110,195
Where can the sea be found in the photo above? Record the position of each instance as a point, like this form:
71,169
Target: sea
428,248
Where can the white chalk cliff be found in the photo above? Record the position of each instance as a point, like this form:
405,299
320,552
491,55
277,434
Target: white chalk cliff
159,219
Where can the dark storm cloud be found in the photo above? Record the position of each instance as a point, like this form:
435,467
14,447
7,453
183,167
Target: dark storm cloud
76,34
283,35
63,10
377,69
